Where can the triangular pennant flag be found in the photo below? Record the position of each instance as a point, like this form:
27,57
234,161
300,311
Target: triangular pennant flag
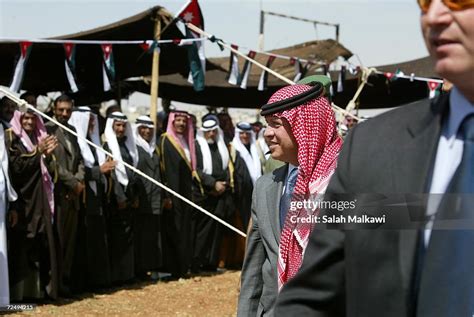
70,65
191,13
150,46
233,74
25,48
354,70
262,83
246,70
341,79
108,68
398,74
433,88
298,70
147,46
389,75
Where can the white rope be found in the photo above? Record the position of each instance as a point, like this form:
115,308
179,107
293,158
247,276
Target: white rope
24,106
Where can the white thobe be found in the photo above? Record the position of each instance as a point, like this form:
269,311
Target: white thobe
4,288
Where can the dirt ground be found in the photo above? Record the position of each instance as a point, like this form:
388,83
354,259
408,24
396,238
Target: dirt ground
211,295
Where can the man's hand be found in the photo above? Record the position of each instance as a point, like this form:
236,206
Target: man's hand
79,188
48,145
107,167
13,218
220,187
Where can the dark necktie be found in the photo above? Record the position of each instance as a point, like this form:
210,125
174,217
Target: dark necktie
447,278
286,198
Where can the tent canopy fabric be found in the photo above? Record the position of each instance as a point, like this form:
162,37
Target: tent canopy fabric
45,70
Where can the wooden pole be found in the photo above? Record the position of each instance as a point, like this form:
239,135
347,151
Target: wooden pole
155,70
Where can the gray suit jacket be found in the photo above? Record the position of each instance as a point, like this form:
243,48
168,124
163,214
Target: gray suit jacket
259,284
370,272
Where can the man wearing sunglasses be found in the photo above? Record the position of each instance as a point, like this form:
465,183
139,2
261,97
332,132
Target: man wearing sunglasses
416,268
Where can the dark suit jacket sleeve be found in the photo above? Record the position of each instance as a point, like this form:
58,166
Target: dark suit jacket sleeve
251,279
319,287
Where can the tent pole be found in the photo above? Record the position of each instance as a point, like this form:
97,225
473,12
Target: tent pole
155,73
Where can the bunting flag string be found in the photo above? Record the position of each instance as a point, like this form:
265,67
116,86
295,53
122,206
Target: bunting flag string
249,58
410,77
262,83
233,74
97,42
108,68
25,49
70,65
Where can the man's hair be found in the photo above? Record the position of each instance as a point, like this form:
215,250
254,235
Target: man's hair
5,101
28,94
63,98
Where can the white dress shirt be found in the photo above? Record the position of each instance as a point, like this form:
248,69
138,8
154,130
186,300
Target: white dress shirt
449,153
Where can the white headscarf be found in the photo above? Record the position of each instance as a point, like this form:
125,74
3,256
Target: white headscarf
80,120
111,139
208,125
12,196
148,147
251,159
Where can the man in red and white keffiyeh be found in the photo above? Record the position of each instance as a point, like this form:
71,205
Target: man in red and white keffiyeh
301,132
310,123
